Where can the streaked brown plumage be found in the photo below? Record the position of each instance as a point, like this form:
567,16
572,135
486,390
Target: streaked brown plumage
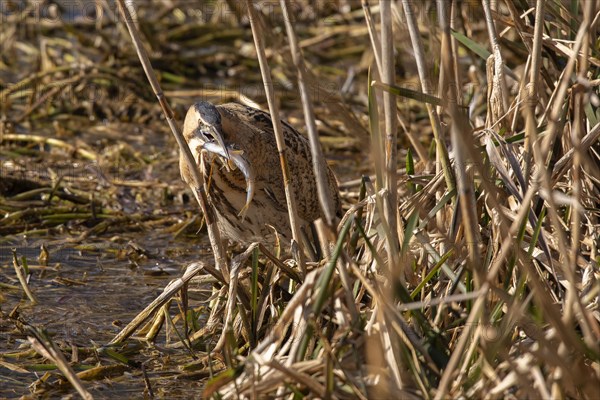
241,163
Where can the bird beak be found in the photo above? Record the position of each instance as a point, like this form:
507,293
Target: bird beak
218,136
210,119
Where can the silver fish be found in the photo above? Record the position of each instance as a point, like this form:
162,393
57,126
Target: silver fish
235,156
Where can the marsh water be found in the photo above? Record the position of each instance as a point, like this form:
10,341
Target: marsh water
86,294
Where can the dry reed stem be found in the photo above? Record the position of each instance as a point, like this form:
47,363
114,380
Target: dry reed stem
44,346
536,54
232,296
388,77
20,272
265,70
462,146
519,334
85,153
168,292
497,93
417,46
540,155
197,186
566,161
578,129
375,42
319,165
376,48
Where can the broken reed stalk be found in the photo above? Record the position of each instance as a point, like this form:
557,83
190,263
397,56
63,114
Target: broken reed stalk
197,186
319,166
44,346
20,272
168,292
265,71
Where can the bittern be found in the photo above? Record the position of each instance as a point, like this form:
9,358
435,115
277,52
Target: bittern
235,148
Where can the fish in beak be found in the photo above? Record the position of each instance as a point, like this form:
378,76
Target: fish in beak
209,125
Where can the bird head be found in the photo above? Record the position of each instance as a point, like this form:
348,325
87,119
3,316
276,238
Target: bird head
202,125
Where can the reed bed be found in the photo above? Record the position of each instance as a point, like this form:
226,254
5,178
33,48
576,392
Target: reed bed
465,136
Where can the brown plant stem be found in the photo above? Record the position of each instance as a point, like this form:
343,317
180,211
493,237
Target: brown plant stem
197,187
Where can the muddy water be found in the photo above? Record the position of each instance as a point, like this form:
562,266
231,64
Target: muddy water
85,297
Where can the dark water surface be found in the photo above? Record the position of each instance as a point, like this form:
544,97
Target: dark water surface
85,298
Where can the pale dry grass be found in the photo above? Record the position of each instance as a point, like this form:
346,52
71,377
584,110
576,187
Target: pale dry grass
481,279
